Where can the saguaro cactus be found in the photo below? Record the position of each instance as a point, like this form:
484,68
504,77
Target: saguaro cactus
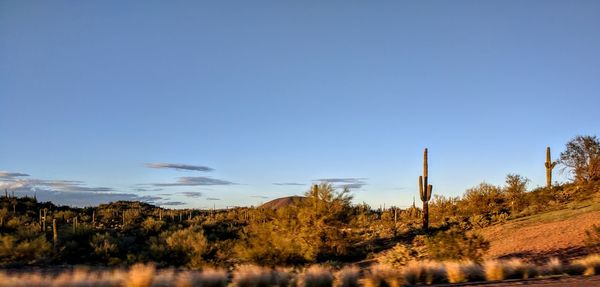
425,192
549,166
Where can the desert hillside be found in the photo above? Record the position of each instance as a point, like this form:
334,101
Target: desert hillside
559,233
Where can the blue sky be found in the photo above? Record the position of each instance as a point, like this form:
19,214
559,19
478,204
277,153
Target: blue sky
103,100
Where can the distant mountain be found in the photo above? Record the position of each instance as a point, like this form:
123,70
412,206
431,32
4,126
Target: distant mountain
282,202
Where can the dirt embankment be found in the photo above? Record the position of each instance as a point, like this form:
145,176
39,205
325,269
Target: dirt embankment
539,239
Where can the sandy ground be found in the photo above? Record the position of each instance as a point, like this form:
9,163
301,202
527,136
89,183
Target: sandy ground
542,240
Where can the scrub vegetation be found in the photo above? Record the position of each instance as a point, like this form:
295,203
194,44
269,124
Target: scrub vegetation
311,241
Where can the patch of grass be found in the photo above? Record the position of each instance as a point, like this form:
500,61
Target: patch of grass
425,272
572,210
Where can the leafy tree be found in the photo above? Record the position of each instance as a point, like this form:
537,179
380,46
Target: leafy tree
582,158
516,186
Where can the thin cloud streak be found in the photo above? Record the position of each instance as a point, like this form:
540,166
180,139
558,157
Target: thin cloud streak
6,174
288,184
192,194
348,182
179,166
195,181
170,203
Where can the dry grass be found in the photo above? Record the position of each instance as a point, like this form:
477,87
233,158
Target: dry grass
140,276
509,269
415,273
468,271
425,272
347,277
136,276
553,267
252,276
382,276
316,276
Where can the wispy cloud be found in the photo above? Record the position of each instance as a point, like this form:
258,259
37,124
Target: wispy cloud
179,166
6,174
349,182
212,198
259,196
196,181
66,192
289,183
60,185
144,189
192,194
170,203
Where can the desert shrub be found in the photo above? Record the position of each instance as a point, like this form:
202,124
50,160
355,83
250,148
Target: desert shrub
104,246
456,245
265,244
592,239
189,246
479,221
398,256
152,226
311,230
484,199
23,250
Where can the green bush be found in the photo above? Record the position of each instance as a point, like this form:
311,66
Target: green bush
456,245
23,251
398,256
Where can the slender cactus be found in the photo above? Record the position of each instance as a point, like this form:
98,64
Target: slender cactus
549,166
425,192
93,218
43,219
54,234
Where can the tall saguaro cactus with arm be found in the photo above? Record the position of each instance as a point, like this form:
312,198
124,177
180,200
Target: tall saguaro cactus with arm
425,192
549,166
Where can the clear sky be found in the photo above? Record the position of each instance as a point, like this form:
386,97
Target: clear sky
221,103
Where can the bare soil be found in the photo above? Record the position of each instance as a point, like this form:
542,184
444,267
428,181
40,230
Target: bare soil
539,239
